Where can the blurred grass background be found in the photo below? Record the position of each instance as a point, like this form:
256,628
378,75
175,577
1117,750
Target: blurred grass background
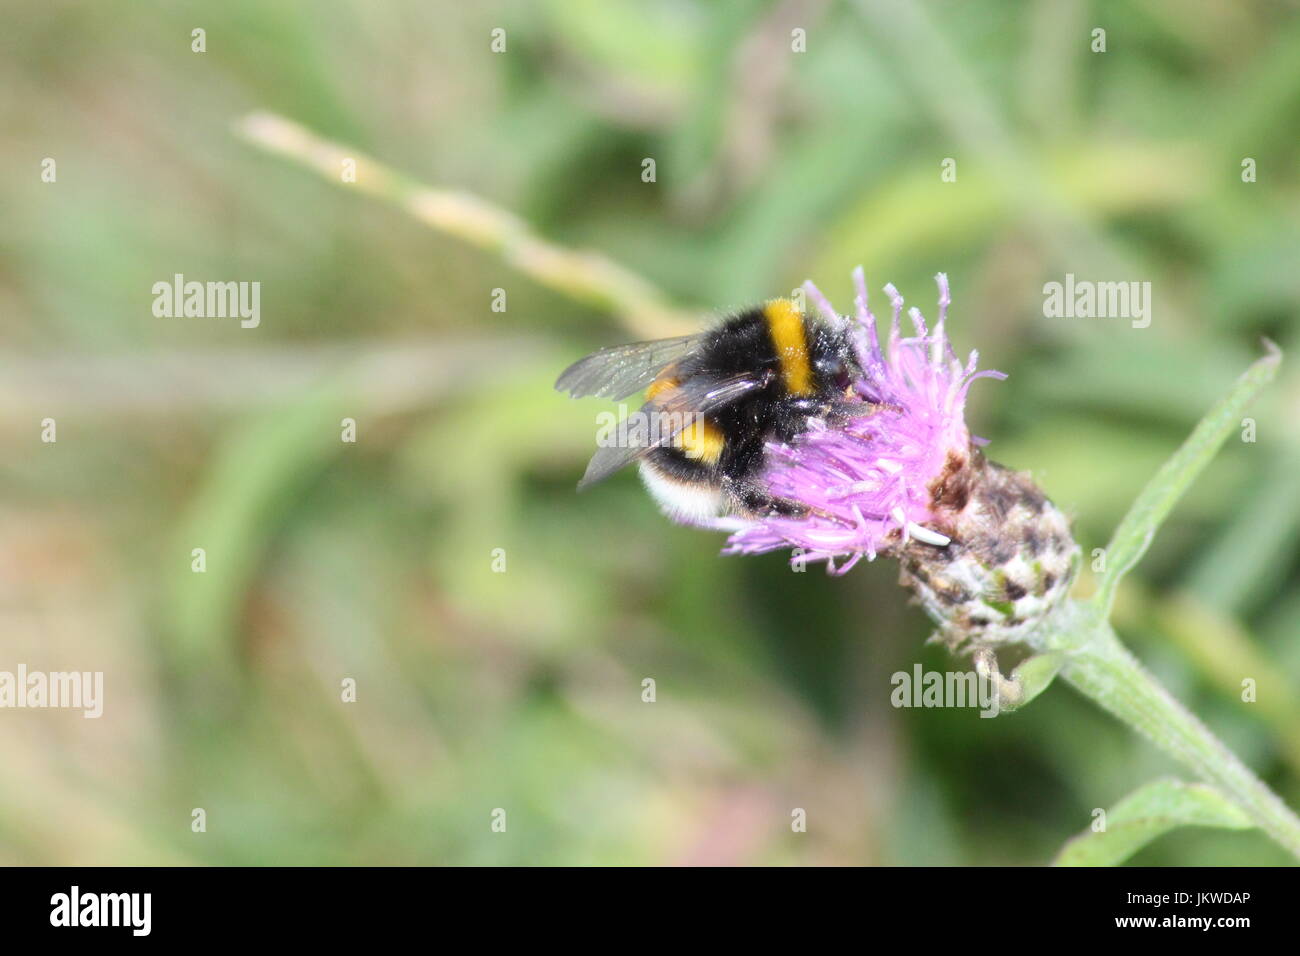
521,690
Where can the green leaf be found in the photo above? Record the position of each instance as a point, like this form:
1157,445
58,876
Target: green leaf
1032,676
1150,812
1135,531
1249,560
248,491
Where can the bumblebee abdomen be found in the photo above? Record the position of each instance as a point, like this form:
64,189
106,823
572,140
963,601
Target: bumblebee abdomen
715,458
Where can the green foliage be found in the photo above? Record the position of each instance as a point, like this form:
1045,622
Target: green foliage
1135,532
522,690
1086,651
1034,675
1147,814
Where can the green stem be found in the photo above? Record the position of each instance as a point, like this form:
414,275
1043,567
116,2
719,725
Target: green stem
1101,668
584,276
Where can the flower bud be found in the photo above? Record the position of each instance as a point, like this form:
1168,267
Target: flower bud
1009,560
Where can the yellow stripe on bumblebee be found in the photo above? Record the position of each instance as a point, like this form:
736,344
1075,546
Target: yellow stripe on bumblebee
786,324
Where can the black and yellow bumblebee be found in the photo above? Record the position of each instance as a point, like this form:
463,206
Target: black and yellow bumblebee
713,402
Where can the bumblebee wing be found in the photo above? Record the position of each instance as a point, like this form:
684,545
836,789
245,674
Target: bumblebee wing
662,419
620,370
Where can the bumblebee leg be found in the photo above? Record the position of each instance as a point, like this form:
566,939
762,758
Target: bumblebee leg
753,501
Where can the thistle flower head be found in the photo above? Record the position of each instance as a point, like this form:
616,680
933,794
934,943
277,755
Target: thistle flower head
894,472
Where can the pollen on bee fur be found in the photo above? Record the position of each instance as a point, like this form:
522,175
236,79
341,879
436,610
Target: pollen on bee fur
659,386
701,441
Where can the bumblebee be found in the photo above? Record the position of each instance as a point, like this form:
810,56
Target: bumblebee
713,402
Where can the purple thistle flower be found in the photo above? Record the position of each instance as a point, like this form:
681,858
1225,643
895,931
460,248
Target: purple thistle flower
876,481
